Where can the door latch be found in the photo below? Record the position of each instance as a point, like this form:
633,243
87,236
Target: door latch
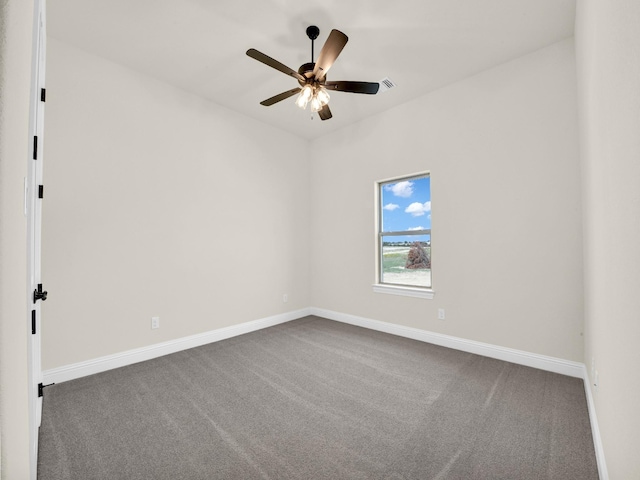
39,294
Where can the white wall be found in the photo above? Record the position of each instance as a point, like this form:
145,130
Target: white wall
608,58
155,200
158,203
16,23
502,149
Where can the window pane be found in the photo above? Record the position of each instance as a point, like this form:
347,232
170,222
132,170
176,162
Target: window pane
406,260
406,205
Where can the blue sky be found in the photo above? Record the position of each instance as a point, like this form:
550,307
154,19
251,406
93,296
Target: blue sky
406,205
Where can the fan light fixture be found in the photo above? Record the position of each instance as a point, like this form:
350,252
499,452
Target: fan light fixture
305,95
317,96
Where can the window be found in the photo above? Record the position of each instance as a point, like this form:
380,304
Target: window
404,235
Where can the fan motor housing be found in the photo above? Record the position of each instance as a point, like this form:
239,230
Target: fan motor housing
306,70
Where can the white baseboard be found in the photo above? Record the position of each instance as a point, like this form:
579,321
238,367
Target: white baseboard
102,364
595,430
550,364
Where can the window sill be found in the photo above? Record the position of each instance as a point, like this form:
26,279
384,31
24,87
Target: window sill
404,291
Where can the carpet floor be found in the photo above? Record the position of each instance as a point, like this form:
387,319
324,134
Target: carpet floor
317,399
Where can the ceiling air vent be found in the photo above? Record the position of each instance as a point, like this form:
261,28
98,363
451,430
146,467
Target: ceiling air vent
385,84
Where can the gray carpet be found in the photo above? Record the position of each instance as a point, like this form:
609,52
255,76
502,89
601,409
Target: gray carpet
317,399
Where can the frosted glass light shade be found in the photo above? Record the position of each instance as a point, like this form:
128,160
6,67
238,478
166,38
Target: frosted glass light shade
304,97
322,96
316,106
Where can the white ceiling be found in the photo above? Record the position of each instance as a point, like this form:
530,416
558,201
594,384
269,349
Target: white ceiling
200,45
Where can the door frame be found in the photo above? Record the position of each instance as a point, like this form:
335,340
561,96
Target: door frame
33,211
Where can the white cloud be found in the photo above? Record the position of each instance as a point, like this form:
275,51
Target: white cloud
418,209
391,206
415,228
401,189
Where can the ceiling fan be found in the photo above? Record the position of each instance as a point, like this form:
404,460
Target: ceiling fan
312,77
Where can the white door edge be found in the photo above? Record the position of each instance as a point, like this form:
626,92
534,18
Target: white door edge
34,217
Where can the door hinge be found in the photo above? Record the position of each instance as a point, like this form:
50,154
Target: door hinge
41,388
35,147
43,94
33,322
39,294
40,191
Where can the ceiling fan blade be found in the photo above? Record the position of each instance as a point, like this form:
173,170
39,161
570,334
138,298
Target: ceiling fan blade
330,51
281,96
370,88
325,113
267,60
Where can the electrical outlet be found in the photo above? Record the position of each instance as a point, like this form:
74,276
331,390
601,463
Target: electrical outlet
596,381
441,314
285,298
155,322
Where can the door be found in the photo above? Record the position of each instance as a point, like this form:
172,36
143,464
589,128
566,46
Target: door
34,193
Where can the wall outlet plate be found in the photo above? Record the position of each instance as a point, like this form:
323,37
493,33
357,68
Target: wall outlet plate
441,314
155,322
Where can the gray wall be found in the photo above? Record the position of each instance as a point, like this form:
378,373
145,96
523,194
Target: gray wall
608,55
502,149
161,204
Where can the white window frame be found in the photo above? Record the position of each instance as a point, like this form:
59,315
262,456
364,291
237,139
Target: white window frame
390,288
